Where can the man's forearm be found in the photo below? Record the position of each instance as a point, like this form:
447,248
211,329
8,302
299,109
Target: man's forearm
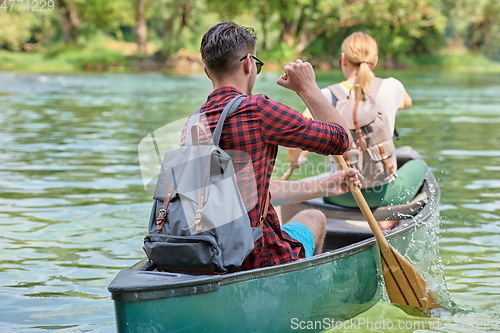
292,192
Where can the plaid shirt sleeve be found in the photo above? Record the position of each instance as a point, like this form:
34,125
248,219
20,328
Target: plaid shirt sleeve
282,125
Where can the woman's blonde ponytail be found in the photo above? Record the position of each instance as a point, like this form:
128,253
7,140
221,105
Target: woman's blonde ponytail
362,50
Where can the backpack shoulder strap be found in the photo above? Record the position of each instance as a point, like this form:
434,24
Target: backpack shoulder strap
194,118
264,210
195,136
334,98
338,93
230,107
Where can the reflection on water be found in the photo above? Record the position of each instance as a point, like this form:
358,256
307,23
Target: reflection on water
73,209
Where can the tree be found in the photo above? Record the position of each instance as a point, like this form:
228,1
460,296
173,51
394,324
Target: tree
26,30
475,22
15,30
303,22
82,19
480,30
174,23
408,27
69,20
141,29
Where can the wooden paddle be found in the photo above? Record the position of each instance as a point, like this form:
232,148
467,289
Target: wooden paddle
405,286
293,166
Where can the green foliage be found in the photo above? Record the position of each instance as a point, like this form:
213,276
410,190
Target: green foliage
20,27
95,55
15,30
280,54
312,28
34,62
228,9
492,48
97,16
97,58
475,24
455,62
59,57
287,29
401,28
176,24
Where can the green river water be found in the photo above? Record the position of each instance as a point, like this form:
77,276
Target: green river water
73,210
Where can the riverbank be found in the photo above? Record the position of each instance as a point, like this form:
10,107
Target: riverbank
112,57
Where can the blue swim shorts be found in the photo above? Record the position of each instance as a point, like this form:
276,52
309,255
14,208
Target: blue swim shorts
301,233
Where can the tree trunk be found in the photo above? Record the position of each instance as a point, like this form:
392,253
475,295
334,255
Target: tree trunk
288,22
287,33
142,29
480,33
186,15
263,24
168,36
69,20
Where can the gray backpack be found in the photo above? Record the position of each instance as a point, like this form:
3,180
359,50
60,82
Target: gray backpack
198,223
373,152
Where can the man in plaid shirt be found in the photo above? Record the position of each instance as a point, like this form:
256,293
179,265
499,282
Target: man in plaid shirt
258,126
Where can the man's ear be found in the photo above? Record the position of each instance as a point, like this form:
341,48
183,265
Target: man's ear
206,72
247,63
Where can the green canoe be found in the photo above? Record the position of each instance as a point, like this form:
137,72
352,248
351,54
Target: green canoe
311,294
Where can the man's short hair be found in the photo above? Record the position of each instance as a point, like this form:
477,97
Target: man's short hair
224,44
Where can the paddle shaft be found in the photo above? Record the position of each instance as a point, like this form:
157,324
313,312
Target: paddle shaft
365,209
289,172
293,166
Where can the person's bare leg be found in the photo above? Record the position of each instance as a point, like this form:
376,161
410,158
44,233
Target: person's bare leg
315,220
388,224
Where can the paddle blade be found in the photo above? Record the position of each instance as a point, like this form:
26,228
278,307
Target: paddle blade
405,286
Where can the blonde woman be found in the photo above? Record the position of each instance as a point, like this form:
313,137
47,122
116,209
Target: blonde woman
369,104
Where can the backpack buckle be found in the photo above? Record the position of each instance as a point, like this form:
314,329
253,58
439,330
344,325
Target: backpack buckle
261,221
160,220
197,221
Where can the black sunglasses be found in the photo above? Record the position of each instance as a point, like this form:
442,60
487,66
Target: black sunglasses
259,63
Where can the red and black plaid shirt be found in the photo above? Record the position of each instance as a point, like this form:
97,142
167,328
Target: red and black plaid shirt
257,127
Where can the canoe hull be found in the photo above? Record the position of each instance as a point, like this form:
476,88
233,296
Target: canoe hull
333,288
312,294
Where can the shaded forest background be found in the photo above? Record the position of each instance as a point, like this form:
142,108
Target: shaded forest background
163,34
